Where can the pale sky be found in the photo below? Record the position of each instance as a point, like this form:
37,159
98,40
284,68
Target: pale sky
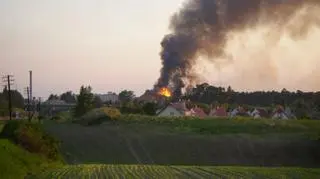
115,45
111,45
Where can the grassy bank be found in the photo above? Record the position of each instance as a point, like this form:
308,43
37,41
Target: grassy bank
15,160
142,171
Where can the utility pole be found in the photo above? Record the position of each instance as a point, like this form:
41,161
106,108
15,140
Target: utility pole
8,79
28,105
30,85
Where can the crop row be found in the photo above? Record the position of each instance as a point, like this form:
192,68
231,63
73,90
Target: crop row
149,171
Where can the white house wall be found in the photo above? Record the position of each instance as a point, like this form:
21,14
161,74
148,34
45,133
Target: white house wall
170,111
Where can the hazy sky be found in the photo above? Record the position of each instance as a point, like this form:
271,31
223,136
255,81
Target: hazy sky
111,45
115,45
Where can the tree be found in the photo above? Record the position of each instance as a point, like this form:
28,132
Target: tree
68,97
4,111
85,101
149,108
131,108
126,96
97,102
53,97
16,98
301,109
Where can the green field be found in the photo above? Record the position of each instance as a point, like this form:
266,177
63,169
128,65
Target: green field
149,147
143,171
191,142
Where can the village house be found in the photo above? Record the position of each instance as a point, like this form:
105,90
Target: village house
281,113
258,113
198,112
109,97
174,109
240,111
151,97
218,112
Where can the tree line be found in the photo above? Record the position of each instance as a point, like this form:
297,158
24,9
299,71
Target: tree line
304,104
17,101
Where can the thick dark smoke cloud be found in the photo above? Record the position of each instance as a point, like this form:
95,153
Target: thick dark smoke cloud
200,29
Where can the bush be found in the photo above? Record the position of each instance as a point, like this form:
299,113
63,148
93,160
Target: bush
98,116
32,137
62,116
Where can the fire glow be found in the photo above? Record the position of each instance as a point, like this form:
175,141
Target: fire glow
165,92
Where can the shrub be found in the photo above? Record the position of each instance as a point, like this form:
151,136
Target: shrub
98,116
62,116
32,137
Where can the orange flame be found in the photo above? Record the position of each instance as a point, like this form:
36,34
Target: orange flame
165,92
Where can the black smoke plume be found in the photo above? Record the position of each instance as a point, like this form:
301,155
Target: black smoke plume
200,28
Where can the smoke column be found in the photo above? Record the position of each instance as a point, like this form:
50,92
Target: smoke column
210,29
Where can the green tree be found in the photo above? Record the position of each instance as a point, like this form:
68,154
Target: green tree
149,108
85,101
16,98
4,108
97,102
126,96
301,108
53,97
68,97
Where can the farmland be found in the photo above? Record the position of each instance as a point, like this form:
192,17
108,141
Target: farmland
143,171
171,141
151,147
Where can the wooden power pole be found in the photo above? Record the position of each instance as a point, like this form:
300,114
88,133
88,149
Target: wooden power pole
8,79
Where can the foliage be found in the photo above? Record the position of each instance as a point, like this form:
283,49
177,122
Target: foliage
97,102
16,98
4,108
31,137
301,108
98,116
68,97
226,125
62,116
131,108
17,163
150,108
154,171
302,102
85,101
126,96
53,97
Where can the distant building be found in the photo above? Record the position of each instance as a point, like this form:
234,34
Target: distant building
51,107
239,112
174,109
281,113
258,113
109,97
198,112
218,112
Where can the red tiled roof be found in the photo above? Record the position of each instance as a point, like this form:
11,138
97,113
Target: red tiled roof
262,112
180,106
279,109
220,112
198,112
